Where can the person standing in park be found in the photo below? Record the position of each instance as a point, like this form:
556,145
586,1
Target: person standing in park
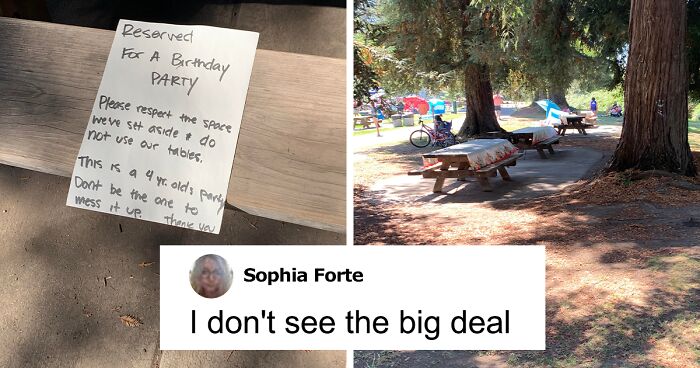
497,102
377,115
594,106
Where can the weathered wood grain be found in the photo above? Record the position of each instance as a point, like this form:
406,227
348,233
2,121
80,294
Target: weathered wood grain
290,158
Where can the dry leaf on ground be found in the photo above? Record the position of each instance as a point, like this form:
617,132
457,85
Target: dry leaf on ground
130,321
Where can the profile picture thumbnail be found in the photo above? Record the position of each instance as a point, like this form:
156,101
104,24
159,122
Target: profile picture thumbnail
211,276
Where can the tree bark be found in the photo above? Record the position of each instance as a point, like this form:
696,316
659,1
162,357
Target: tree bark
481,117
558,97
655,130
538,95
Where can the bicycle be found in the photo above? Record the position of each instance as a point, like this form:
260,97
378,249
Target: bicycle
425,135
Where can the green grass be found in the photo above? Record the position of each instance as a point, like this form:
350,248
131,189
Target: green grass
511,125
581,100
604,98
388,126
693,129
694,107
694,134
682,271
372,129
694,126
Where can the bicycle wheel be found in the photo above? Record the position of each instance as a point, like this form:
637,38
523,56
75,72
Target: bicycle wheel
420,138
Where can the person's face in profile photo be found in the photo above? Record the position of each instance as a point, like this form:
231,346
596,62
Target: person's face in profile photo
211,276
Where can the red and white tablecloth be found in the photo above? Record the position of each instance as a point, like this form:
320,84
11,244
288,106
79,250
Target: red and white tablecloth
479,152
539,133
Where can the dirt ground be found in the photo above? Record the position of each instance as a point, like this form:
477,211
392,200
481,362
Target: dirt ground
623,261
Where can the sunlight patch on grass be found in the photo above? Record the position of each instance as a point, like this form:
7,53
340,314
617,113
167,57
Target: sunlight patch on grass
694,141
682,272
517,123
372,130
679,343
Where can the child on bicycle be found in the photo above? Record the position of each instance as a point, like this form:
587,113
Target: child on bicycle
441,125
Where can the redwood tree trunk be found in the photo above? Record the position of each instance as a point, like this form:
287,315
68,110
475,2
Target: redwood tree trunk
538,95
481,117
655,130
558,96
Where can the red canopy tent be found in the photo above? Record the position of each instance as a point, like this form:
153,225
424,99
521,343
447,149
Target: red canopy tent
419,103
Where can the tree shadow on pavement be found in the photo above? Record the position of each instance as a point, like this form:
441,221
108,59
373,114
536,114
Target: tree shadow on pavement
71,274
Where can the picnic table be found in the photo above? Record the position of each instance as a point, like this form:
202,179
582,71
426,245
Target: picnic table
539,138
572,121
364,120
481,158
290,157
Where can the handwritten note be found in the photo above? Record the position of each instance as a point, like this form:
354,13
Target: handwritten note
160,141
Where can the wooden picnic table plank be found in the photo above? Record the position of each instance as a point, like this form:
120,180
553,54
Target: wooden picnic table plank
580,127
361,120
509,161
290,157
424,169
464,149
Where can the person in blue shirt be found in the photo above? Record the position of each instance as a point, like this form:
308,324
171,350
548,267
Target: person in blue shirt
377,116
594,106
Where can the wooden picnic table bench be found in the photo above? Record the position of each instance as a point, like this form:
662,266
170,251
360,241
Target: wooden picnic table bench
531,138
290,156
454,162
574,122
361,120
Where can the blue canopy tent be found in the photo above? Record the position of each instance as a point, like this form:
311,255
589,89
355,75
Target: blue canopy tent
437,106
547,105
555,116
